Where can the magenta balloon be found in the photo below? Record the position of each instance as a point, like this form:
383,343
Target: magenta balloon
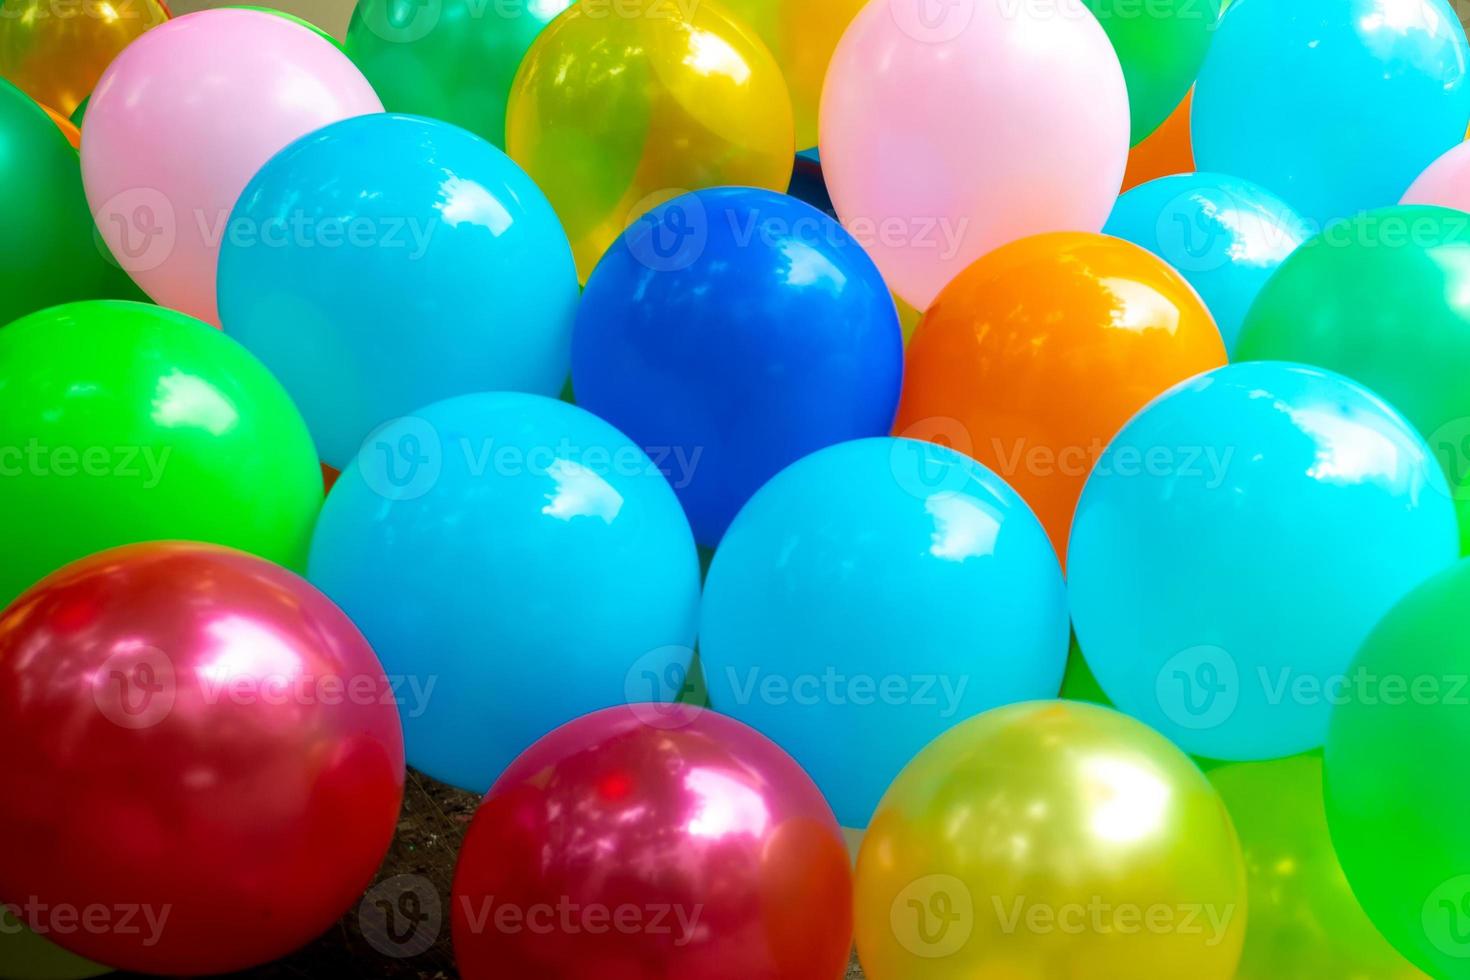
182,120
949,129
197,739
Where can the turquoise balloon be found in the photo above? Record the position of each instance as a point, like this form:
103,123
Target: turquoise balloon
873,595
1235,544
515,562
386,262
1335,105
1225,235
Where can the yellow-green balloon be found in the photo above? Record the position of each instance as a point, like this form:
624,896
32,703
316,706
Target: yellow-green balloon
1047,840
1304,920
26,956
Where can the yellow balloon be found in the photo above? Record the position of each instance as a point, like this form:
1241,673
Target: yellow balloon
802,34
620,105
1048,840
908,318
56,52
1305,921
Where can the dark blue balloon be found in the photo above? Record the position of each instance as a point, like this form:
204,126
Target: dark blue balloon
730,332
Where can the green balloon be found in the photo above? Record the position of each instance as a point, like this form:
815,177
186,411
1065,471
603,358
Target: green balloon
1383,298
1304,920
293,19
80,112
49,251
1161,45
26,956
451,59
121,422
1397,769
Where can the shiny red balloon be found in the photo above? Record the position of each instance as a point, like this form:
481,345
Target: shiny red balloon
650,843
203,762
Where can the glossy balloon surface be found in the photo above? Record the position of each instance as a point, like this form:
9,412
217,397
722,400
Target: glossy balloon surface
123,422
731,332
180,123
1050,839
1237,542
410,254
639,843
56,52
1225,236
516,560
1335,105
840,612
1035,356
199,736
612,115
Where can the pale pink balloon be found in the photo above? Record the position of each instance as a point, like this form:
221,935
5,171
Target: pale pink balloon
182,120
1445,182
950,127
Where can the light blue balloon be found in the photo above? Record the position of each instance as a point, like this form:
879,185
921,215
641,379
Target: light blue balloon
1235,544
873,595
388,261
1225,235
1335,105
516,562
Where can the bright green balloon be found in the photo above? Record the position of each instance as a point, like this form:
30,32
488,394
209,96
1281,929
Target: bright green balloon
1304,920
80,112
451,59
1161,44
302,21
121,422
1384,299
48,250
26,956
1398,775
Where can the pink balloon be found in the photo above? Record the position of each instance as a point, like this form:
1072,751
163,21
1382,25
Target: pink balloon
949,129
182,120
1445,182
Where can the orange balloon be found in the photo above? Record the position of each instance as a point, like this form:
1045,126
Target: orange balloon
1035,356
1166,151
72,134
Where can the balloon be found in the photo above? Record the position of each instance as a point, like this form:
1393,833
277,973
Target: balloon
299,21
1304,920
195,739
521,561
121,422
1335,105
802,36
1050,839
731,332
1165,152
1225,236
1038,353
1384,299
48,254
26,956
928,195
1445,182
840,613
1161,50
180,123
1395,768
452,60
72,134
80,112
612,115
1236,543
56,52
414,257
634,843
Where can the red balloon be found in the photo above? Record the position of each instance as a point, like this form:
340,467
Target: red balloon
203,761
639,844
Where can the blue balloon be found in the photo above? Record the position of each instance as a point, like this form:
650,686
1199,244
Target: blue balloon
1335,105
1226,236
1235,544
386,262
731,332
872,596
516,562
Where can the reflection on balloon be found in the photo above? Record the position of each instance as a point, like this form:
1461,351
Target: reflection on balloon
56,52
199,736
654,810
1237,542
1035,841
